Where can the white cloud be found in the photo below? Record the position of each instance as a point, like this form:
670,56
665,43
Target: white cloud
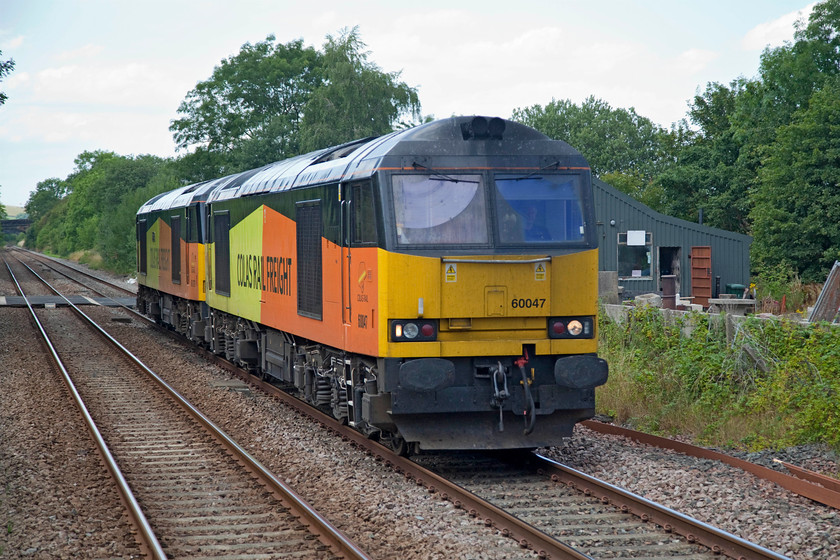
87,51
11,43
123,85
774,33
118,131
17,80
693,61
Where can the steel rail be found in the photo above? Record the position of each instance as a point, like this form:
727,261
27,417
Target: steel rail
826,496
38,257
148,542
328,534
41,257
815,477
695,531
527,536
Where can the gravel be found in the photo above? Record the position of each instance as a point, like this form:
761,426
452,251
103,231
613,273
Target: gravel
56,499
715,493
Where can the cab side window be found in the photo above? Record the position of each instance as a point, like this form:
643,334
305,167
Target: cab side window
364,215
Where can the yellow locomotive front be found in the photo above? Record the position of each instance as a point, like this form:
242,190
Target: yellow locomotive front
487,296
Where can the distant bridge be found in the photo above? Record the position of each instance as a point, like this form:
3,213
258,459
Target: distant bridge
15,226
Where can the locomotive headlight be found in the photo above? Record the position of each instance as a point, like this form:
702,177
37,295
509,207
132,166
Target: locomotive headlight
575,328
410,330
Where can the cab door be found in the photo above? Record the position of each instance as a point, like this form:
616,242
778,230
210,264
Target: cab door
360,238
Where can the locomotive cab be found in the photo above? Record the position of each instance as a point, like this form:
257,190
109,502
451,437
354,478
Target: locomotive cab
489,302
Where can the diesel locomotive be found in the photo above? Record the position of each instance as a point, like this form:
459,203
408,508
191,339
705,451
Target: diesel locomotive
436,287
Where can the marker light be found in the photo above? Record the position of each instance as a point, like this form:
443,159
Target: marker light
575,328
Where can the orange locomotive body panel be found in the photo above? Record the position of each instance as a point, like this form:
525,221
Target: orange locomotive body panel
160,264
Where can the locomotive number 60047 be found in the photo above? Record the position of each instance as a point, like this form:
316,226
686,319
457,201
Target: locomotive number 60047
526,303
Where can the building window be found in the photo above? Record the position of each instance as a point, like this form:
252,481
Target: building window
635,255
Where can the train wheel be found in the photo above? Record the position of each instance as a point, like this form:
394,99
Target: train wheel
398,445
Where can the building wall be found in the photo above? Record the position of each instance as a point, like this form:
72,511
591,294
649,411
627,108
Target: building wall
671,239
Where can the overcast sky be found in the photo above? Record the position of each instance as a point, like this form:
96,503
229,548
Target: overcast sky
110,74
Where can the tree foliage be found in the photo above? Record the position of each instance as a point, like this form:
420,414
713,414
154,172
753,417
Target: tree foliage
272,101
93,208
612,140
6,67
45,197
705,176
356,99
248,112
797,204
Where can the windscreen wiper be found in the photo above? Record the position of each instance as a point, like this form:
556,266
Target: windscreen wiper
440,176
530,175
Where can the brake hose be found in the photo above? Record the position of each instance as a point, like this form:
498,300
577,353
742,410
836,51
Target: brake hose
529,403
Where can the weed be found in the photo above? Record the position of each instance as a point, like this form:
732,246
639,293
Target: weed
776,384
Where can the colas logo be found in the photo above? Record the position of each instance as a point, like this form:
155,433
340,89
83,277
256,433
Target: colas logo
364,276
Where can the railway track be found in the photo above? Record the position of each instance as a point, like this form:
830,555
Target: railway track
538,502
106,289
190,490
520,498
597,518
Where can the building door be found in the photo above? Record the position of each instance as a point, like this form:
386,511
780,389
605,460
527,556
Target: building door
669,264
701,275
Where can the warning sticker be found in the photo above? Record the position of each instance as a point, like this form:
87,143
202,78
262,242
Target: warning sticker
451,272
539,271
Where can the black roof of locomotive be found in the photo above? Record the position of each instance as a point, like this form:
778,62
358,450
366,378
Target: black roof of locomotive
454,137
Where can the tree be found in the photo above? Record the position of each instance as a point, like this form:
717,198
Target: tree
706,174
3,214
356,99
77,214
796,217
249,111
788,77
6,67
45,197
